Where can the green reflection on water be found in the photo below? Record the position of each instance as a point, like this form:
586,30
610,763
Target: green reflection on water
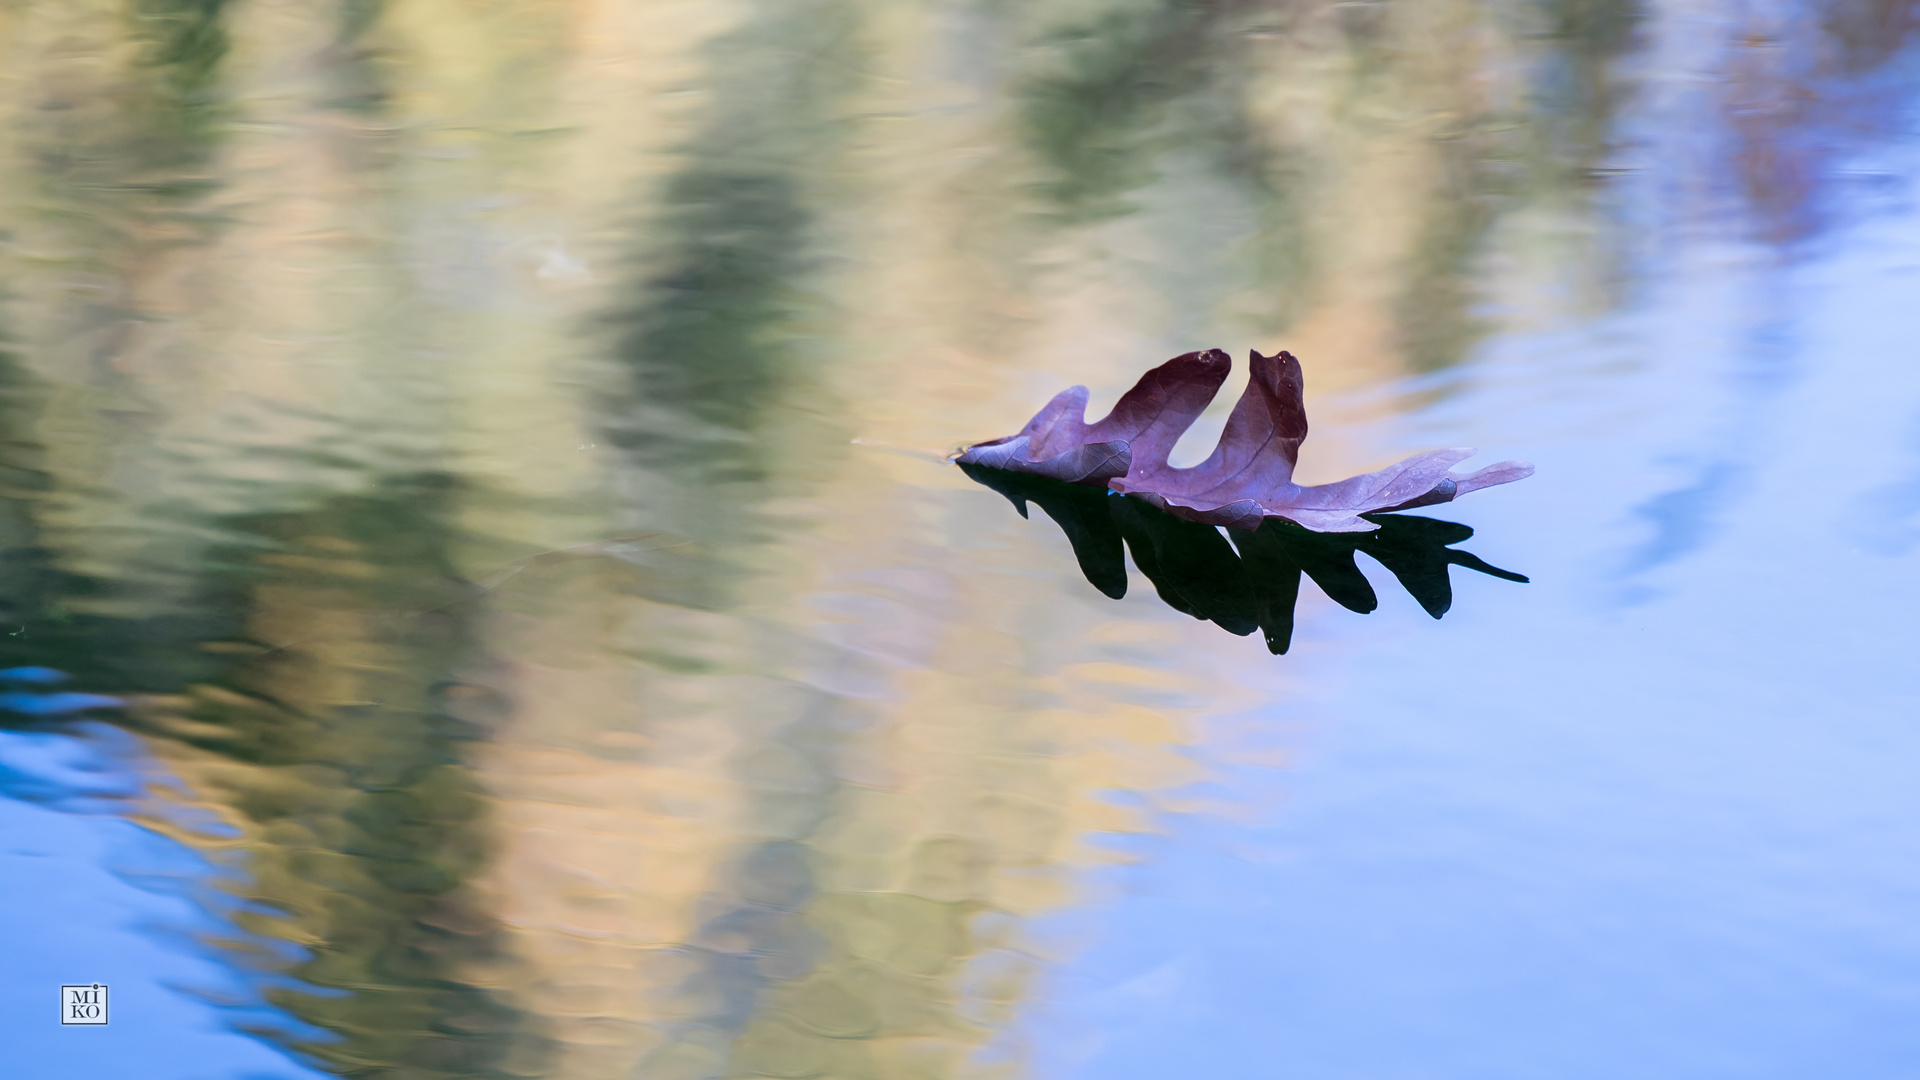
1095,104
312,671
185,42
363,819
720,325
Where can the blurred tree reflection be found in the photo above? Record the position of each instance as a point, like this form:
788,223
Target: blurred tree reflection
328,740
1241,580
1492,105
715,332
183,45
311,714
1099,86
1800,87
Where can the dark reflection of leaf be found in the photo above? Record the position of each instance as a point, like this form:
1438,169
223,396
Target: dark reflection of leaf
1254,582
1273,578
1415,550
1191,566
1331,566
1080,511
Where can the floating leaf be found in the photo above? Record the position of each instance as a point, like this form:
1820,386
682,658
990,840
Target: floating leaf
1249,477
1146,422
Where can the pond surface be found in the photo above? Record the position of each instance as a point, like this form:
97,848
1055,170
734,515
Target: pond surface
475,479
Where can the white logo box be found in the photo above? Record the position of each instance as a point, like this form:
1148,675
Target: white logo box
83,1003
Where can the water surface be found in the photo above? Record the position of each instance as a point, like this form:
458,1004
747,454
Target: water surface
494,455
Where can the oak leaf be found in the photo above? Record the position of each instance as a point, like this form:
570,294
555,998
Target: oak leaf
1249,477
1144,424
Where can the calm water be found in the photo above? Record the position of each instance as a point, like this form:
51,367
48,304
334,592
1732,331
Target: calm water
481,466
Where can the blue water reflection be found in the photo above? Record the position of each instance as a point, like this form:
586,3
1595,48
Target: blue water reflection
98,897
1655,815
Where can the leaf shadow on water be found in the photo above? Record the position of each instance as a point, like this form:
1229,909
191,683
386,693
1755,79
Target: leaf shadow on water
1253,582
